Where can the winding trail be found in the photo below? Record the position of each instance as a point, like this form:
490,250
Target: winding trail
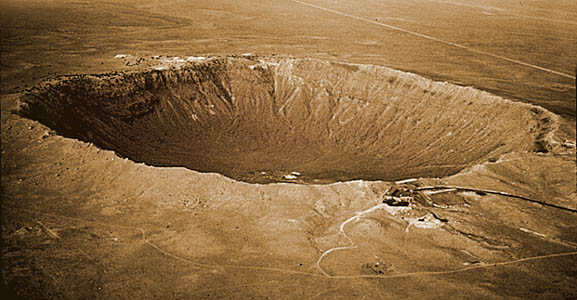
342,232
323,273
436,189
428,37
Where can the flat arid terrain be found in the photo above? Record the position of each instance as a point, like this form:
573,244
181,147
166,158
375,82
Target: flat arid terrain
288,149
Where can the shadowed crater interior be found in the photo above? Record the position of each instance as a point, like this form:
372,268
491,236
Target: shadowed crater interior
257,119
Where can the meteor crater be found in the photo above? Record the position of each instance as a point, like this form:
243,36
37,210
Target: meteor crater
255,119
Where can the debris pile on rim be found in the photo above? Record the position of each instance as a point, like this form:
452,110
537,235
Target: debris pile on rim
257,119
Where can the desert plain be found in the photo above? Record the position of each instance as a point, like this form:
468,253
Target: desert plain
288,149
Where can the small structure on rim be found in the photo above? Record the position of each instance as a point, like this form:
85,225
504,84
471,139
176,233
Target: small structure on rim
404,195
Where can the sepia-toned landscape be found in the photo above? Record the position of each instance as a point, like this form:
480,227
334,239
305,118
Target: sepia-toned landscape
287,149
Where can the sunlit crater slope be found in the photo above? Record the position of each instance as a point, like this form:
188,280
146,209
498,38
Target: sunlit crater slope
255,119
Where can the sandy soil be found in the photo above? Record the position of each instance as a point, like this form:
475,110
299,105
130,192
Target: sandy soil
82,222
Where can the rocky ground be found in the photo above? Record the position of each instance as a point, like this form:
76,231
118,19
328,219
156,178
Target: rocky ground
84,216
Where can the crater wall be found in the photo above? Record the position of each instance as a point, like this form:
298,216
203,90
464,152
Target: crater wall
255,119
